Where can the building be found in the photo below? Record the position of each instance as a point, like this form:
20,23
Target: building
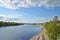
55,18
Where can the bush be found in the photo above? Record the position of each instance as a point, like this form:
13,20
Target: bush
53,29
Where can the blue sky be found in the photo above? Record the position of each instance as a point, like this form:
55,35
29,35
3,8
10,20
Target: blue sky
29,11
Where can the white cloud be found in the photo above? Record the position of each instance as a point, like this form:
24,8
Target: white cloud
16,18
15,4
52,3
8,17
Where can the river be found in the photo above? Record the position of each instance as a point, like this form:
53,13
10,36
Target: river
22,32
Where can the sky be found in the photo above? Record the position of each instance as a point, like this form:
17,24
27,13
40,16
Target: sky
29,11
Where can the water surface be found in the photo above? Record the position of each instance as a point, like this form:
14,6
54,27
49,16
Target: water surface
23,32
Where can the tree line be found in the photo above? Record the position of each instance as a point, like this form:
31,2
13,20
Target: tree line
9,23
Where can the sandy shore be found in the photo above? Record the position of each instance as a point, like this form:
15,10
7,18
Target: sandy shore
36,37
41,36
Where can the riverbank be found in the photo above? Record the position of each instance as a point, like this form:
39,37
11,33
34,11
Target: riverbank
41,36
36,37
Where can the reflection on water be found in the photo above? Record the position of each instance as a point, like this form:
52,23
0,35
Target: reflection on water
24,32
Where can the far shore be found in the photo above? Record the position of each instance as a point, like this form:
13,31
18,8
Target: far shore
5,24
